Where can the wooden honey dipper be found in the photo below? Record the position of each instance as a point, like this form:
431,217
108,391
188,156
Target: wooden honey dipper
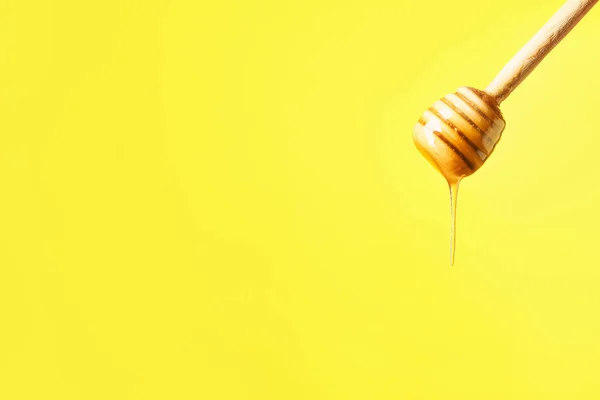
459,132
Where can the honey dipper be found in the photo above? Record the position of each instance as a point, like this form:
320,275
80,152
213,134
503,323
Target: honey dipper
459,132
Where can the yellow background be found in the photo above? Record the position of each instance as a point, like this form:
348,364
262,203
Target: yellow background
222,200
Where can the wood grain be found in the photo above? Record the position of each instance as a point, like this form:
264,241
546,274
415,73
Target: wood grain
525,61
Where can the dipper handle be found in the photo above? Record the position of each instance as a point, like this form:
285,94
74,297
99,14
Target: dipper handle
538,47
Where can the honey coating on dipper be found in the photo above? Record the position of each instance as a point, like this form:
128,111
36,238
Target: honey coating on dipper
456,135
459,132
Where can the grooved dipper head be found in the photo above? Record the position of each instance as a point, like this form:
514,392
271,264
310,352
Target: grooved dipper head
459,132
